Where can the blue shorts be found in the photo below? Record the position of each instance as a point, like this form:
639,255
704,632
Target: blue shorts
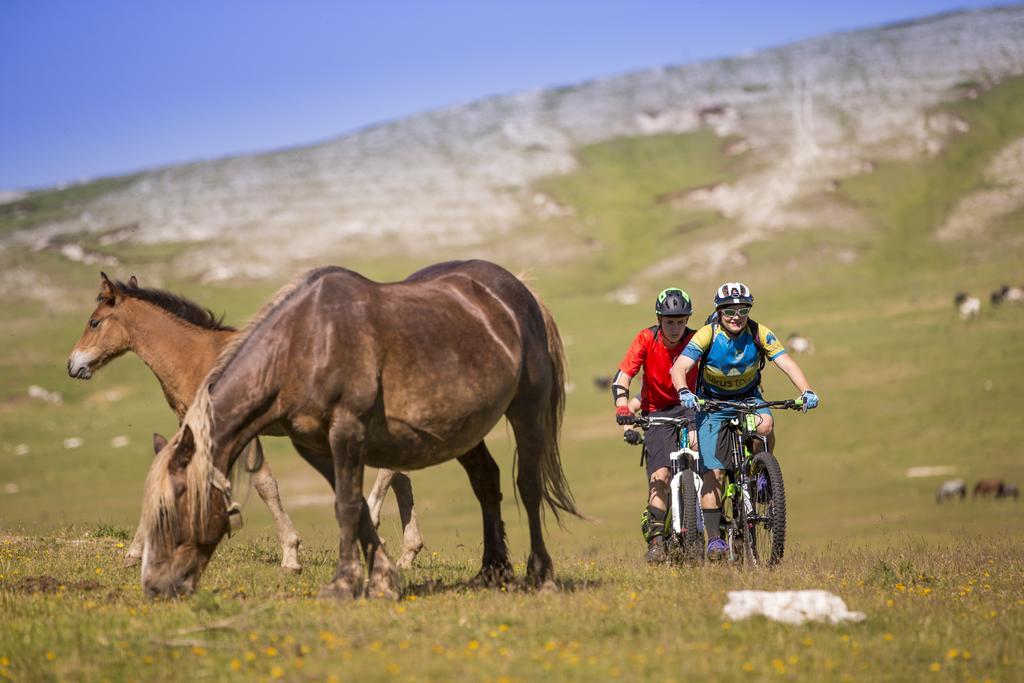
708,427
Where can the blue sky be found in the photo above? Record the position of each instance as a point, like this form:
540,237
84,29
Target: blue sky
97,87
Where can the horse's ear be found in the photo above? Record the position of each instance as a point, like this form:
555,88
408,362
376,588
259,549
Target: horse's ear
184,451
159,442
133,283
107,291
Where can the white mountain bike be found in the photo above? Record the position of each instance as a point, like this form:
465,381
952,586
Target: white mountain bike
685,539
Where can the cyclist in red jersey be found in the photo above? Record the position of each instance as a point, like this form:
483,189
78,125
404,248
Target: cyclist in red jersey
654,350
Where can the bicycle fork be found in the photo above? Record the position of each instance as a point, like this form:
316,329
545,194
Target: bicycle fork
682,464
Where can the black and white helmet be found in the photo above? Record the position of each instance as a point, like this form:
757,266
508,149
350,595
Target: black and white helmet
733,293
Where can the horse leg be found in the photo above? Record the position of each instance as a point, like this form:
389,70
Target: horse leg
530,445
383,581
485,477
412,541
380,489
133,557
263,481
353,516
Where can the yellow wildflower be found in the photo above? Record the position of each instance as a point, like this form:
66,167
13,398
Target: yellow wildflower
934,666
277,672
271,651
236,664
51,655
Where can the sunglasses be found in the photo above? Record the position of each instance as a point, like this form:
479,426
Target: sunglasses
735,312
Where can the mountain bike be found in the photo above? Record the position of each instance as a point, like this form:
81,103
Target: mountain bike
686,524
754,496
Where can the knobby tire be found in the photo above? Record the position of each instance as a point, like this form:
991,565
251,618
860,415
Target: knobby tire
766,540
692,542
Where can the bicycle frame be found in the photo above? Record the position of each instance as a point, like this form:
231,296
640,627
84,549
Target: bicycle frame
682,463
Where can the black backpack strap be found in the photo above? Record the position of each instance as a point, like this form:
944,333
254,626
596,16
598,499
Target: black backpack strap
755,333
703,362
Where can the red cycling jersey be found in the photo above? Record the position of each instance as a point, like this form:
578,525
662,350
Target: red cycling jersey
648,351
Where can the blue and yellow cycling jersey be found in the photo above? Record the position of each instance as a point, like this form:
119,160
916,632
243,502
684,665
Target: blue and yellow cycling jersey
732,367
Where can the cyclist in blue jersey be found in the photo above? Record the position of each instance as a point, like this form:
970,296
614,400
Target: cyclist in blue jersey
729,353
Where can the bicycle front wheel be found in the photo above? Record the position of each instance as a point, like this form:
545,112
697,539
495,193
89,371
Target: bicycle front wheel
691,541
766,524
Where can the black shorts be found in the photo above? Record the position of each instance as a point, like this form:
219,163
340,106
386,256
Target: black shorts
660,440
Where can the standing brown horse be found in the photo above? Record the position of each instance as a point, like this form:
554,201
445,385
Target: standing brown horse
402,375
180,341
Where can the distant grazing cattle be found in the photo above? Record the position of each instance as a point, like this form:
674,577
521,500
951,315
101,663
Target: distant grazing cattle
604,382
951,489
969,306
799,345
1009,490
1007,295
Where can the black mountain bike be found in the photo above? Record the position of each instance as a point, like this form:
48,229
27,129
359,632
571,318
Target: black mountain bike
685,533
754,497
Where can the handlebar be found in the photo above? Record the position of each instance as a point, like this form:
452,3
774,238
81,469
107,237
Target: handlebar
711,405
646,422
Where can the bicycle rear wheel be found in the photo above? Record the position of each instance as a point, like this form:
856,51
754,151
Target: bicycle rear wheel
766,526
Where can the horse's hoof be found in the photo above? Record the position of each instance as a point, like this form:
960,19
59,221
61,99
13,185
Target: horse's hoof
382,591
384,586
407,558
493,576
132,561
548,587
291,569
339,589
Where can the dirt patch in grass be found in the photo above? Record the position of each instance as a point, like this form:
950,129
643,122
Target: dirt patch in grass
49,584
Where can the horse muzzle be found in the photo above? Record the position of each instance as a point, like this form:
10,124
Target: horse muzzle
78,368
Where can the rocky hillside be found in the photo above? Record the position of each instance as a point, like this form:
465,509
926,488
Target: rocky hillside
805,115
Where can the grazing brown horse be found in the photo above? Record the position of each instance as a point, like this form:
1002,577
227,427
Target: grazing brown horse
401,375
180,341
988,487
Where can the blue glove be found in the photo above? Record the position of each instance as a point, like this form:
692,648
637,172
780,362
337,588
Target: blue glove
810,400
688,399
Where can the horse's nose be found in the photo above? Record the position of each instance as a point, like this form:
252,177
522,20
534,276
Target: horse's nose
70,372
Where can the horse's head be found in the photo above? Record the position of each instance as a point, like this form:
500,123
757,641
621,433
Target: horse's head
187,509
106,335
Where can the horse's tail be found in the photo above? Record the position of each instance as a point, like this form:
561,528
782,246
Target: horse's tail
553,481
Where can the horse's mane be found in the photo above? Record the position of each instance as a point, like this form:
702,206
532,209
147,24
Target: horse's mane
176,305
159,512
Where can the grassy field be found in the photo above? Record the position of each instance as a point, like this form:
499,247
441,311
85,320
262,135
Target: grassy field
903,381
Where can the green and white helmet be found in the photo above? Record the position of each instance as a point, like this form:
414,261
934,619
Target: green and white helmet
673,301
